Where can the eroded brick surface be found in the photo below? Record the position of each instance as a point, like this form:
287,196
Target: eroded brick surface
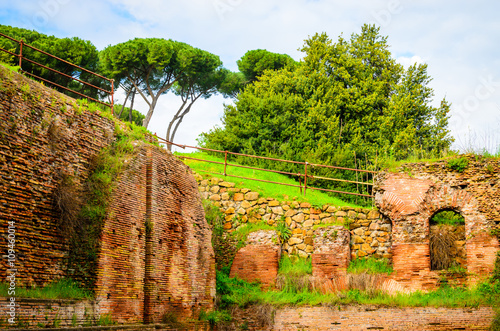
331,254
168,268
410,202
43,137
258,260
366,318
143,272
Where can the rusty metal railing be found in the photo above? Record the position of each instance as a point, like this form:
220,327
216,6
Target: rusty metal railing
22,57
302,176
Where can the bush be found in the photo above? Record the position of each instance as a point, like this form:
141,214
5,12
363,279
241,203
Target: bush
448,217
459,164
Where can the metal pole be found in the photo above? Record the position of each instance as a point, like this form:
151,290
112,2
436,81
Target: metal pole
112,97
305,178
21,54
225,162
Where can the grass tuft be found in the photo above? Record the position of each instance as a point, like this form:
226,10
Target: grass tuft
370,265
64,288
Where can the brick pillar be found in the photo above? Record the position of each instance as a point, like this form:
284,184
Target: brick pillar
332,253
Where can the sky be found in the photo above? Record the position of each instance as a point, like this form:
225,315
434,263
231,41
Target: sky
459,40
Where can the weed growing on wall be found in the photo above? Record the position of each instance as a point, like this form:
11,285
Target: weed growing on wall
458,164
448,217
104,169
64,288
294,274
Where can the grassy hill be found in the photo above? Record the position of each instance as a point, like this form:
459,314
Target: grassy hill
279,192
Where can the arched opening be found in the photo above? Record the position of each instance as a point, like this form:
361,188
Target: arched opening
447,241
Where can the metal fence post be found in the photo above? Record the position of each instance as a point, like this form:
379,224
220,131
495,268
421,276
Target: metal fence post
112,97
225,162
21,54
305,178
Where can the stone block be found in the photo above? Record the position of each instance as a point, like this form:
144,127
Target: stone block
299,218
273,203
238,197
251,196
215,197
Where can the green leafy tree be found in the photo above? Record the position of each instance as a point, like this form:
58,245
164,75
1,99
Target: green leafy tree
154,65
255,62
74,50
344,101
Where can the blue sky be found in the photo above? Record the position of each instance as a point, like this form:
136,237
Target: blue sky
459,40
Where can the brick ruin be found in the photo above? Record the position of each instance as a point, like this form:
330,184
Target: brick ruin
259,259
168,267
411,201
155,255
408,203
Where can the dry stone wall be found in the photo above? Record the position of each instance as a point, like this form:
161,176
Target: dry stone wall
370,232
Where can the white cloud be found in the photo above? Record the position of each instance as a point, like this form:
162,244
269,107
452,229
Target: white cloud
409,61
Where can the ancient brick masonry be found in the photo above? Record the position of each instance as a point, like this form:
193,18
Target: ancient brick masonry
259,259
366,318
43,136
155,246
331,254
410,202
156,204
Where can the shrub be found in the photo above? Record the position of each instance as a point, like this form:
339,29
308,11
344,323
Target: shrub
459,164
448,217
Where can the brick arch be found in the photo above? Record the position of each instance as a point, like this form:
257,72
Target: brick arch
410,203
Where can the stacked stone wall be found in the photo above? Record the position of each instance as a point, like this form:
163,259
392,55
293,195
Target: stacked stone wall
370,232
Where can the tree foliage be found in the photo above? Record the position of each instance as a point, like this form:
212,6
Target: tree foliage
154,65
255,62
75,50
344,101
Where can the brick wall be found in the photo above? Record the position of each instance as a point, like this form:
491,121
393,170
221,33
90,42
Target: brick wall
360,317
44,313
411,201
143,271
331,254
367,317
258,260
43,136
168,266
